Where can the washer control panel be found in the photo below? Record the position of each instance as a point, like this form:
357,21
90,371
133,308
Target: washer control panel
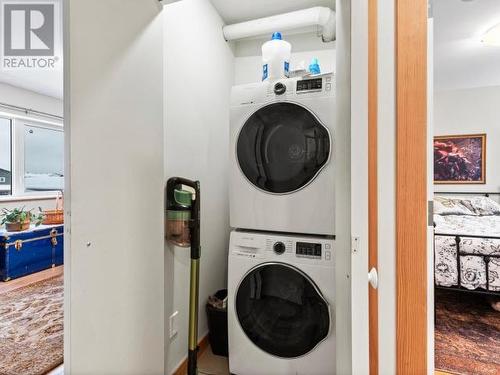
308,249
283,248
279,247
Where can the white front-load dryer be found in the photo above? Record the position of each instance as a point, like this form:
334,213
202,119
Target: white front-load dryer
281,295
282,156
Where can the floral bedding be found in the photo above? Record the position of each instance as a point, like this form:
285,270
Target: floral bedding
472,267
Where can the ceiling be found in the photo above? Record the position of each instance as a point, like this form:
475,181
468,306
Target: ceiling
233,11
45,82
50,82
460,59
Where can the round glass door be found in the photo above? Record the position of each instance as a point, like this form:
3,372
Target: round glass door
282,147
281,310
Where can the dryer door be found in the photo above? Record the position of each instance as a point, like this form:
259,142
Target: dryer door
282,147
281,310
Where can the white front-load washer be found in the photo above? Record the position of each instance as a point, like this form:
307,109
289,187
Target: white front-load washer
282,156
281,294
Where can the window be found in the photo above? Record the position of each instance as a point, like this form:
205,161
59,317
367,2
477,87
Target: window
31,157
43,159
5,157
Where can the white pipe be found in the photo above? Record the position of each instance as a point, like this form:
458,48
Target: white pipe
316,16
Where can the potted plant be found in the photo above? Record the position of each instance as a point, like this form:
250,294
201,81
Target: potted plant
19,219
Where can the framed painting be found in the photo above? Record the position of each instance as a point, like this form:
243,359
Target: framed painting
460,159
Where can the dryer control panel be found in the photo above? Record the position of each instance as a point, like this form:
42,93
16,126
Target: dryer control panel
313,84
295,88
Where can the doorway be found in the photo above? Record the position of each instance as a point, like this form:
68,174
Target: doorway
32,177
32,227
465,121
416,263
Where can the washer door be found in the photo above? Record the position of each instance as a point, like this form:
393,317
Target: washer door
281,310
282,147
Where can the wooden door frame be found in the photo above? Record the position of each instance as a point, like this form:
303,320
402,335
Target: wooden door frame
373,181
407,43
411,186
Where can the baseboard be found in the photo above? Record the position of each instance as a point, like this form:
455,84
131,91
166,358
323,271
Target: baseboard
182,368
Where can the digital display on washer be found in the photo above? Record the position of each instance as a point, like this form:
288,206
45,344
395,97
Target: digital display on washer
308,249
309,84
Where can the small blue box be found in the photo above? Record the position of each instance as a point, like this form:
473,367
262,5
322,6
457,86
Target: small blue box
30,251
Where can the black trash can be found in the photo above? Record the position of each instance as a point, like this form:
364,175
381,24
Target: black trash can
217,324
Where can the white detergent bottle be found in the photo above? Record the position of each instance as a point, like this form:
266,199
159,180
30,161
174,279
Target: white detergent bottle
275,58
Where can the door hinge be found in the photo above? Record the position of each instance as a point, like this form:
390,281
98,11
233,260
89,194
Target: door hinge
354,245
430,213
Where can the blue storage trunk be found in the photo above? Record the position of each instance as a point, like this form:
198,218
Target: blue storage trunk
30,251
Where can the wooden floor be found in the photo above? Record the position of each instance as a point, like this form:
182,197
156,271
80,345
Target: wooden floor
209,363
8,286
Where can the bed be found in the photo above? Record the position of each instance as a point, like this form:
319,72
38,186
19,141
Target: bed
467,242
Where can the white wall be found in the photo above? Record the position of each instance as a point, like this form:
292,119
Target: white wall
387,187
359,184
114,248
248,56
28,99
471,111
350,358
199,75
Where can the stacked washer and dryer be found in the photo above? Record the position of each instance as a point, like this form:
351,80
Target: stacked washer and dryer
281,274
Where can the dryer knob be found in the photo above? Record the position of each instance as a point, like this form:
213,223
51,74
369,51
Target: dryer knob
279,88
279,247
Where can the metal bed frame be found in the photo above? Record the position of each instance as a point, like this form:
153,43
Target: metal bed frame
458,239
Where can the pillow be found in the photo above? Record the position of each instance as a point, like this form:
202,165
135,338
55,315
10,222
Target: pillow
485,206
453,206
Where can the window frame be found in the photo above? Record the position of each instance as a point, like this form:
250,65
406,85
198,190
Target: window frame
18,124
11,158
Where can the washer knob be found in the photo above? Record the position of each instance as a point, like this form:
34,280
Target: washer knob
279,88
279,247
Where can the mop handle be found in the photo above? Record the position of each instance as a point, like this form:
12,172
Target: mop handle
193,318
194,285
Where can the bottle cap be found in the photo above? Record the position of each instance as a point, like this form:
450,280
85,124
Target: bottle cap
276,36
314,66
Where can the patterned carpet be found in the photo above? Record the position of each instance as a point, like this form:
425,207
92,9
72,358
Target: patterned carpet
467,334
31,328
